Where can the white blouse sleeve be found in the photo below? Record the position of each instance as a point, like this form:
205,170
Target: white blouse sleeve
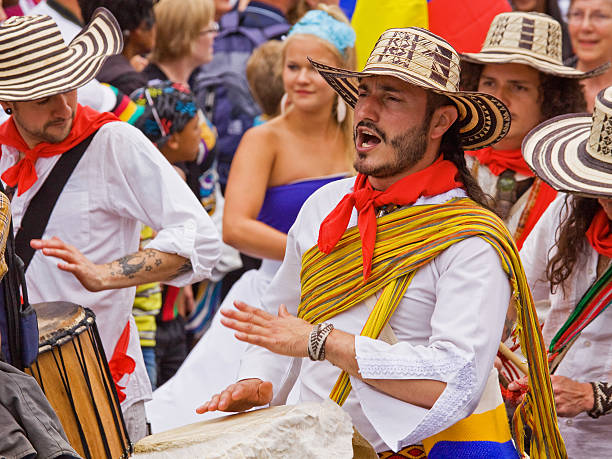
472,297
142,185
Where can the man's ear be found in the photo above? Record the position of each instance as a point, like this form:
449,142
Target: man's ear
442,119
6,105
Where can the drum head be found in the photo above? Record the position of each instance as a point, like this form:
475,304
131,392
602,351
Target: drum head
56,318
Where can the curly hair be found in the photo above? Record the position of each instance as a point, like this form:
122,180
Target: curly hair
452,151
557,95
129,13
570,241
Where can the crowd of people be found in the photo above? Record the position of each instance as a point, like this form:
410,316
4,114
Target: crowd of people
254,220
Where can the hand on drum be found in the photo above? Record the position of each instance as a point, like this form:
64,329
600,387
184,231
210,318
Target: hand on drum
88,273
282,334
240,396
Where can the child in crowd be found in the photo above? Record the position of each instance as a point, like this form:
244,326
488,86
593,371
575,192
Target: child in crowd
264,73
167,114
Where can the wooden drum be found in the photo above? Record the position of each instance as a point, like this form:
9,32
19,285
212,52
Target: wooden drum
73,372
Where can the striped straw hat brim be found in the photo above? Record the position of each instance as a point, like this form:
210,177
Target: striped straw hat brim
420,57
573,153
35,62
532,39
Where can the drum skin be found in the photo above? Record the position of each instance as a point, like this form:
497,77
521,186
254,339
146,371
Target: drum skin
72,371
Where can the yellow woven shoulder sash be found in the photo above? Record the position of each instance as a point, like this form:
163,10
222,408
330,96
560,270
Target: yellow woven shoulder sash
406,240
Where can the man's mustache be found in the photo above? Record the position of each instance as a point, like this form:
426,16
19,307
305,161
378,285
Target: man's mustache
372,127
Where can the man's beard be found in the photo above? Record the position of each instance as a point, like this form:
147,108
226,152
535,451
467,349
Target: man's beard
408,148
44,135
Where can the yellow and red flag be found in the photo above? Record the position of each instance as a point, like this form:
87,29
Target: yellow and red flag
463,23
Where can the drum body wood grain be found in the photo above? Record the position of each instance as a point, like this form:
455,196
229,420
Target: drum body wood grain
72,370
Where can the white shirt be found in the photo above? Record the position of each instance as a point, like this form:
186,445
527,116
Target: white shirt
120,181
590,357
448,324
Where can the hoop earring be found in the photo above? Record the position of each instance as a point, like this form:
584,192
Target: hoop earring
8,111
340,110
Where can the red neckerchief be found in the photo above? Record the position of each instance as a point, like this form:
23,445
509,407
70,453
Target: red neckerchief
23,174
599,235
499,160
433,180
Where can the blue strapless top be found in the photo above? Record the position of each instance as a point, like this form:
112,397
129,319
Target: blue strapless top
283,203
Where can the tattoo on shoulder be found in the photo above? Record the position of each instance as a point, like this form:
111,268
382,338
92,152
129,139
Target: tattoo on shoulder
183,269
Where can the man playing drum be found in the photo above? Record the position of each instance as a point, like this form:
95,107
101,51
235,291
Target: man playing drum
403,253
120,180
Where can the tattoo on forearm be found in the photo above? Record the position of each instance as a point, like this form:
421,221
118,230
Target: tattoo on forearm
183,269
130,265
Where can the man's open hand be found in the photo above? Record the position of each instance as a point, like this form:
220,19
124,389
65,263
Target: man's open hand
89,274
240,396
282,334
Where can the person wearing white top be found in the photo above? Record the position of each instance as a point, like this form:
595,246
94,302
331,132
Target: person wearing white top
120,181
589,357
567,261
448,323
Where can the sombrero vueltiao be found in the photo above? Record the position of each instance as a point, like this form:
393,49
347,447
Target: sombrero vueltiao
573,153
532,39
36,62
420,57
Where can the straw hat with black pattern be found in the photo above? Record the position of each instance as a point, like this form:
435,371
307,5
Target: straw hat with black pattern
420,57
533,39
36,63
573,153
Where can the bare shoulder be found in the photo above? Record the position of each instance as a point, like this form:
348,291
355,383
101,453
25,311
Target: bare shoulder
261,139
268,131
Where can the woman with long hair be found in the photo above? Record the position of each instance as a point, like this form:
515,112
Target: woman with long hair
567,261
276,167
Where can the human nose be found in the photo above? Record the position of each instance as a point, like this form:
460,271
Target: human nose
586,21
366,107
61,105
501,92
303,76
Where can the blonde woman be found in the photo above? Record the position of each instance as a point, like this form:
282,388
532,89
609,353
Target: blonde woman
186,30
276,167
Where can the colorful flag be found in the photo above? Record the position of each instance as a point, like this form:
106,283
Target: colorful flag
464,23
